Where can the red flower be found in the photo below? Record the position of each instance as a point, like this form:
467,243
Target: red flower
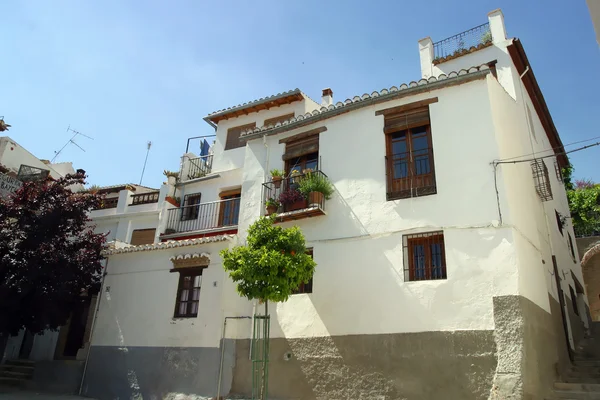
293,252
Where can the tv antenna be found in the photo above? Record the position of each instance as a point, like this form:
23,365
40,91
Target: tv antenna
71,141
145,161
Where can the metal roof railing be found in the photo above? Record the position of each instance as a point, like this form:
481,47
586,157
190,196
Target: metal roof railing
464,42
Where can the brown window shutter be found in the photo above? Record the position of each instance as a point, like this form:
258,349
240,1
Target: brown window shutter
142,236
233,136
307,145
406,120
281,118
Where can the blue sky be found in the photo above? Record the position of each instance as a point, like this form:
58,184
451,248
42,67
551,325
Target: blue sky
126,72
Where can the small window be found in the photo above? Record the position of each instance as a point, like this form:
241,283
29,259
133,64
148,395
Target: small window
571,249
281,118
142,236
424,256
233,140
229,209
191,206
188,293
541,179
530,119
558,171
574,300
559,222
308,286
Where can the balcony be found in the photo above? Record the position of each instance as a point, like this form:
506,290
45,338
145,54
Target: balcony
198,167
284,198
463,43
144,198
110,202
203,218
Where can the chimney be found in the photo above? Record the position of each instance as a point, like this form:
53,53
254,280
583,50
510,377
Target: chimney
327,98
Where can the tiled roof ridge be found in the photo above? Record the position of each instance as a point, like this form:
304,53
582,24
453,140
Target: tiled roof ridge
125,184
257,101
171,244
357,99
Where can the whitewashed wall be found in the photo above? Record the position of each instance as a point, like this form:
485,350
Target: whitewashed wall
232,159
359,283
138,302
13,155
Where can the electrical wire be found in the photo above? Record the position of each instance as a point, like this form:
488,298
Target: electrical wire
548,156
552,149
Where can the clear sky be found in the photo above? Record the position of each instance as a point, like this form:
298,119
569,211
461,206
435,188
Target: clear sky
128,72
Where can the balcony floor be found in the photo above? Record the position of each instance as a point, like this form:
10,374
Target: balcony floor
232,229
309,212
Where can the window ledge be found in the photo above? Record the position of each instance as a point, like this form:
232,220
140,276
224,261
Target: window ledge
412,193
299,214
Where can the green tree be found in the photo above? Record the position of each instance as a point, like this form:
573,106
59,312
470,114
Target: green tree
584,202
270,267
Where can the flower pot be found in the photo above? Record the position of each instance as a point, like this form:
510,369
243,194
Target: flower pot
315,199
271,210
297,205
276,181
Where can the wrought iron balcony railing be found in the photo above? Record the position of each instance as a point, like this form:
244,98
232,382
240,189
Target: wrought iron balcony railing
462,43
144,198
199,166
203,216
283,197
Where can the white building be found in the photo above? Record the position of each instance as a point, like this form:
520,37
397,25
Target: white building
444,267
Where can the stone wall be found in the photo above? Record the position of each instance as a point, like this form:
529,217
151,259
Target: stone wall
591,275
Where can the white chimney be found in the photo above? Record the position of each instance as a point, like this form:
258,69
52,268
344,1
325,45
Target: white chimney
327,98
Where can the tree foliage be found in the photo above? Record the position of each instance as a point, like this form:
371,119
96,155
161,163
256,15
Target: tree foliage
273,263
49,254
584,203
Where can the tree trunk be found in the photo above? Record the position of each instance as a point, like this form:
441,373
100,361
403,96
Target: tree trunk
263,389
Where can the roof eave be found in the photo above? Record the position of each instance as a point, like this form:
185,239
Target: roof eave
215,117
519,58
392,95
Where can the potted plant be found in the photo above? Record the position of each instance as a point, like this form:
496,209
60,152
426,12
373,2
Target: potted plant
272,206
292,199
176,201
276,177
295,176
316,187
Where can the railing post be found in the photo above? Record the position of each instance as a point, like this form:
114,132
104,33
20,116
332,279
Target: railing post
497,27
426,55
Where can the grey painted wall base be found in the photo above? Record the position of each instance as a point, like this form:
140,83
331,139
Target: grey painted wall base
426,365
156,372
520,359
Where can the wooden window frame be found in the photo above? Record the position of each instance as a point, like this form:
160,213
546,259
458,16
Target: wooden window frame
574,300
131,241
290,164
559,223
233,139
231,194
571,248
426,240
192,272
306,288
412,185
186,208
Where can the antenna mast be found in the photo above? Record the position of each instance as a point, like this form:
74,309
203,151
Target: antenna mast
71,141
145,161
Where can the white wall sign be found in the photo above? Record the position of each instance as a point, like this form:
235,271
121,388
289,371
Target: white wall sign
8,185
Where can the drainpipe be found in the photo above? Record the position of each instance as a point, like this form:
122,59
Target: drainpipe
223,354
98,299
